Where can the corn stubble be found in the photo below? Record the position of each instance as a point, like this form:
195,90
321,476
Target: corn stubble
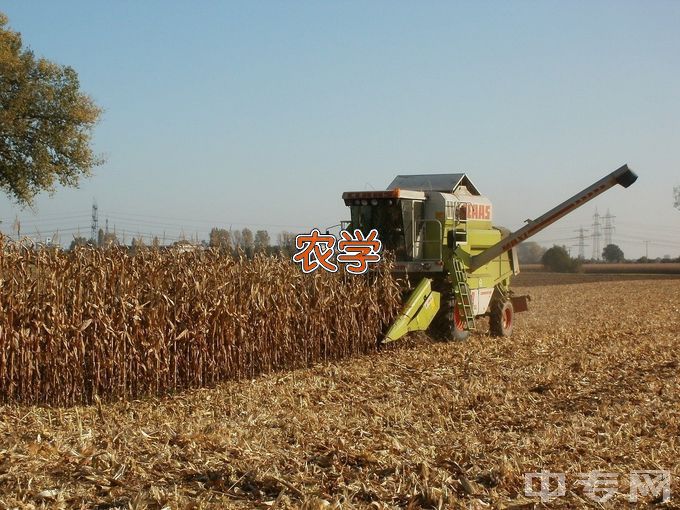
113,325
588,382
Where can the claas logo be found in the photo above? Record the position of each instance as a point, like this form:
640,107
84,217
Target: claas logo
478,212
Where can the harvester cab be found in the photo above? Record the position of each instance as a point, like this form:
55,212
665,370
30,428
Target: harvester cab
416,213
455,263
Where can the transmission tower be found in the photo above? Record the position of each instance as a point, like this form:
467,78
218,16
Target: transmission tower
95,222
596,235
581,242
16,226
608,228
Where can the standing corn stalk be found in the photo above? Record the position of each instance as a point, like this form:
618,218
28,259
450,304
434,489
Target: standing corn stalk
102,322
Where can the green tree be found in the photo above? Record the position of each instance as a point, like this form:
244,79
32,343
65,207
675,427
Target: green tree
46,122
557,259
612,253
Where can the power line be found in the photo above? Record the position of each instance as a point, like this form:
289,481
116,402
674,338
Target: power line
212,223
654,242
555,239
52,219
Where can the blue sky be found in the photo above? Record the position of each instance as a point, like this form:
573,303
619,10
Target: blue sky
262,113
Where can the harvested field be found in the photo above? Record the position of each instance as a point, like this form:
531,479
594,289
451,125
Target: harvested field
663,268
589,381
541,278
631,267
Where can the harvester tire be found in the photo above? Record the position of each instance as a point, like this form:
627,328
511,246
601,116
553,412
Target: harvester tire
502,318
451,325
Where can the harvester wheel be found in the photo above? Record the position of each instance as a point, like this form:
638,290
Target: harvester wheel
501,318
452,323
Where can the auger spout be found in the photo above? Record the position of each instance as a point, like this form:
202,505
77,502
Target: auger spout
623,176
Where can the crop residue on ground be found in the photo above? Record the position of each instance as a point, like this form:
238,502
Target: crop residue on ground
588,382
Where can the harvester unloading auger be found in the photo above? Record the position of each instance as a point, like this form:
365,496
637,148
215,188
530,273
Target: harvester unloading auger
439,227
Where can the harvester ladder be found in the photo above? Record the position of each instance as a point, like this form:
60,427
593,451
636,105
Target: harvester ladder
463,293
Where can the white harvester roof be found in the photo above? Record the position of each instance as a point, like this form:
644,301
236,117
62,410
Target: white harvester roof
444,183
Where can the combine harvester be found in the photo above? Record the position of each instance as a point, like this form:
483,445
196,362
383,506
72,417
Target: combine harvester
458,264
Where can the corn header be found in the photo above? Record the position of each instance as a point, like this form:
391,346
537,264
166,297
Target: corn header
456,264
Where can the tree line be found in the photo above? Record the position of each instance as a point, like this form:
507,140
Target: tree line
235,242
250,243
559,259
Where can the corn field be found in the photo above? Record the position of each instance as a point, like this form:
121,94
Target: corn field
76,325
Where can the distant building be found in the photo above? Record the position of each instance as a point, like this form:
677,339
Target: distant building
184,246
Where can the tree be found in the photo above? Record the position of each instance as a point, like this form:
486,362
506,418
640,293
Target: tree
530,252
612,253
557,259
236,239
78,241
261,241
286,242
107,239
220,238
137,245
46,122
248,241
676,195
